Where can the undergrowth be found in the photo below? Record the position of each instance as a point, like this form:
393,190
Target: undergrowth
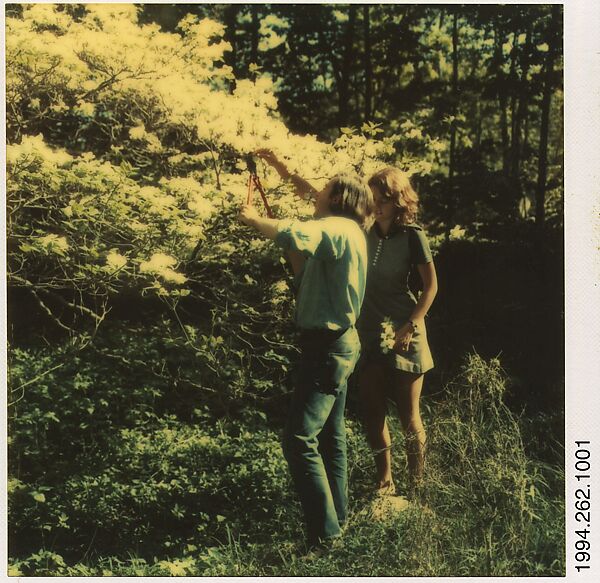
177,496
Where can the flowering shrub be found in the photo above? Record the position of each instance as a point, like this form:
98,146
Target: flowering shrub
125,145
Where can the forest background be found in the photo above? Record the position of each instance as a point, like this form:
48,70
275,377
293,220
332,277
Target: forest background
151,336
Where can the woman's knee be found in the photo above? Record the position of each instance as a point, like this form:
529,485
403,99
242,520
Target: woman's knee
407,396
411,422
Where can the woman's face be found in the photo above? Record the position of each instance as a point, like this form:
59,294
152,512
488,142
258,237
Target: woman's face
322,208
385,209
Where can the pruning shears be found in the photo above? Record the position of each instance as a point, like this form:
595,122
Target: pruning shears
254,182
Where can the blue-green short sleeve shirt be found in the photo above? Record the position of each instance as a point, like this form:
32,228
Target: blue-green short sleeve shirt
332,284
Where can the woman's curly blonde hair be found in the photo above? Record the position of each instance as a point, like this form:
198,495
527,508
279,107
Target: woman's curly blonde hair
394,184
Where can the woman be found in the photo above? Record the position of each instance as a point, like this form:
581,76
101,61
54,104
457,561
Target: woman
395,244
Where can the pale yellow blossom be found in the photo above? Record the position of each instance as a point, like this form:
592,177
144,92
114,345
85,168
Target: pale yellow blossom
226,248
86,108
137,132
388,335
203,208
457,232
114,260
161,264
54,243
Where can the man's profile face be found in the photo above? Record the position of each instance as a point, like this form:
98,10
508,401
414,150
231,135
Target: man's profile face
322,201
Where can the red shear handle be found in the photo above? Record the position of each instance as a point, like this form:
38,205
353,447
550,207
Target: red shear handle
250,189
254,181
258,185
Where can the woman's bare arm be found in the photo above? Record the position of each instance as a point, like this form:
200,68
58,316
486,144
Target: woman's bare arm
430,287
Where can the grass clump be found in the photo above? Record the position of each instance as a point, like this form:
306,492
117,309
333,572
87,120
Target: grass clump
488,507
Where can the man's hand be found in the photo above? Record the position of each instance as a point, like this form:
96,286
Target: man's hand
248,215
267,155
271,159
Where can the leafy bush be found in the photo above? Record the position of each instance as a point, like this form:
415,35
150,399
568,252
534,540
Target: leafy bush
174,485
180,484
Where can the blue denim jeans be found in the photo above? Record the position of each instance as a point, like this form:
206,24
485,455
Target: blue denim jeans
314,442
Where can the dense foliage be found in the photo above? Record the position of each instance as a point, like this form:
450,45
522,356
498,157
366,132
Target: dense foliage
151,337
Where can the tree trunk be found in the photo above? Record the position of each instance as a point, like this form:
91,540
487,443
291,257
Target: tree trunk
525,146
452,160
521,113
512,80
540,191
478,129
502,96
344,81
368,64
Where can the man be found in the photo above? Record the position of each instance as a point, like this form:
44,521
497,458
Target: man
329,258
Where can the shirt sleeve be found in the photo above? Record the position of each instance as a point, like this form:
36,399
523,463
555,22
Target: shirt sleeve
297,280
311,238
419,246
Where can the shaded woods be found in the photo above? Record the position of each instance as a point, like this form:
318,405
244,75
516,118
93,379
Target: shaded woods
151,336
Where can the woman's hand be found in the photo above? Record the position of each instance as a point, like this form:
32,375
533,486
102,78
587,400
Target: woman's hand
403,337
248,215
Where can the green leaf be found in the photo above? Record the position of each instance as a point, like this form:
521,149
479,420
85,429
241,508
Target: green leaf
14,571
38,496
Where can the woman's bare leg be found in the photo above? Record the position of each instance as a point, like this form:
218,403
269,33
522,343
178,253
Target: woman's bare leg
407,392
372,384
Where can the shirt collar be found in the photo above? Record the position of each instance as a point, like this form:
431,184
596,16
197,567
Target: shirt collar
394,228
